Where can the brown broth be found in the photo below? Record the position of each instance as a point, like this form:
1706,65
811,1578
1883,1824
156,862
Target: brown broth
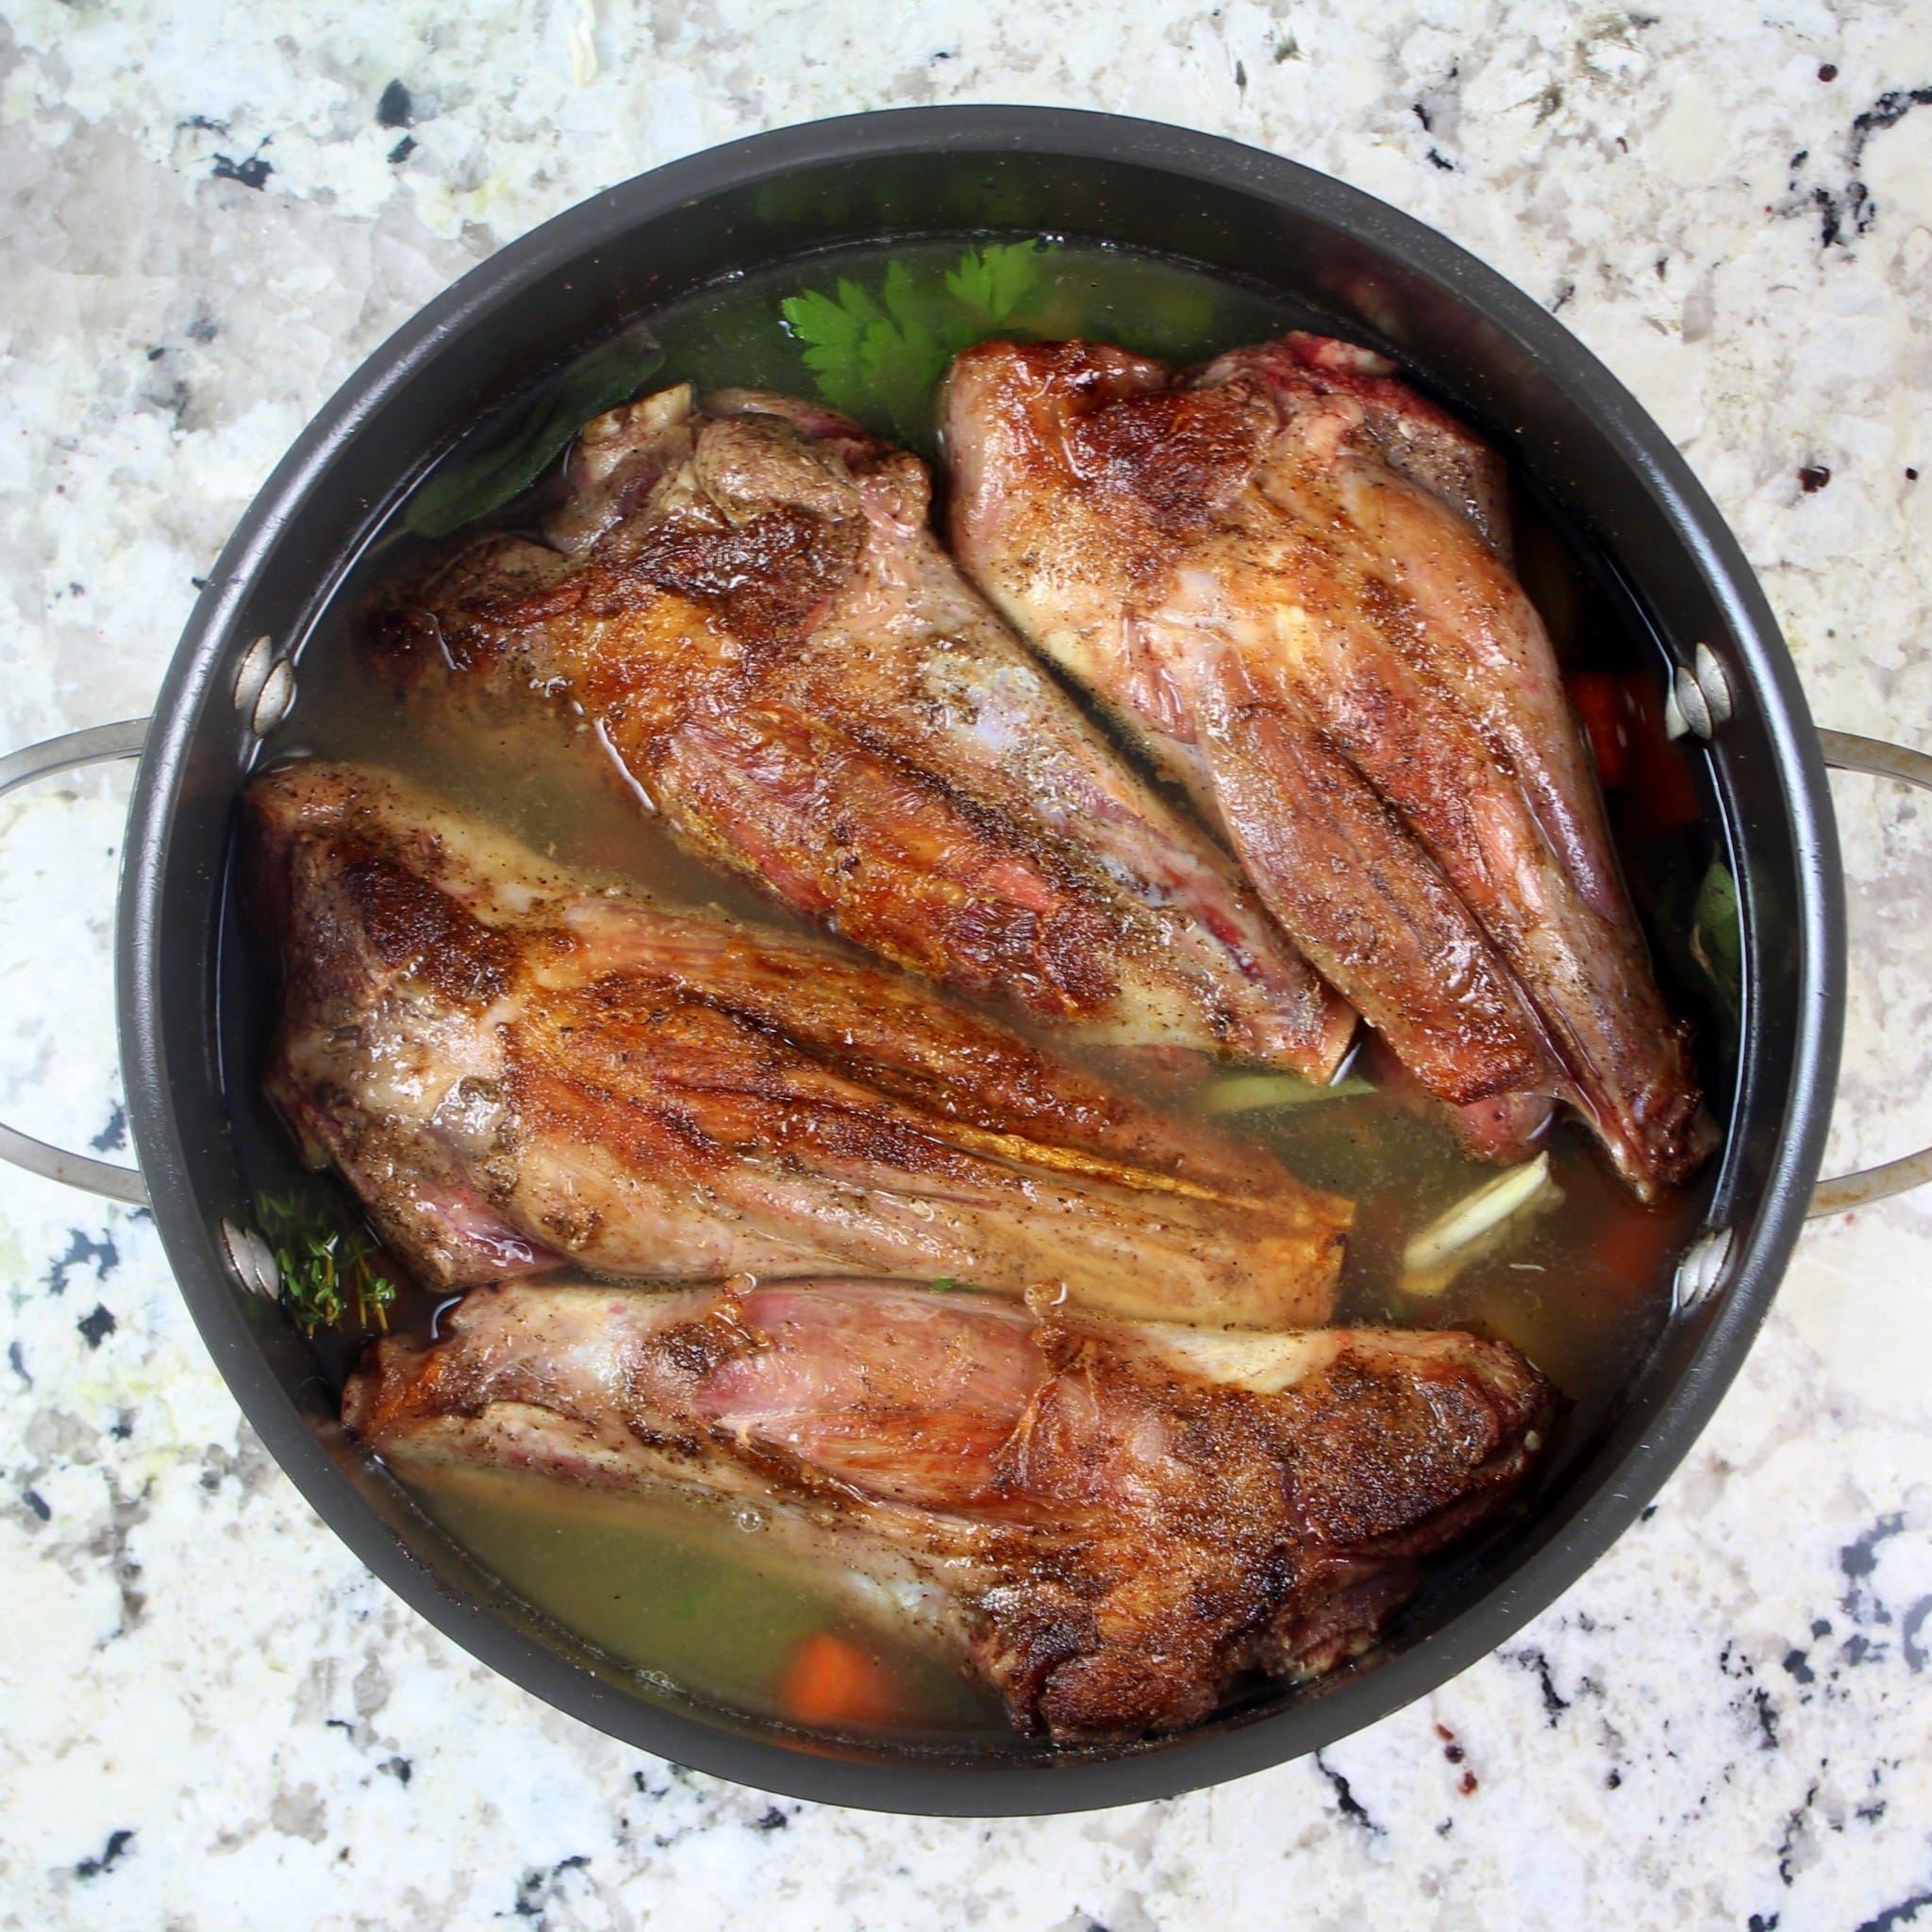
682,1595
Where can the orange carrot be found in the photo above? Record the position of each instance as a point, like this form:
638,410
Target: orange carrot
1623,716
1658,793
829,1681
1597,701
1631,1245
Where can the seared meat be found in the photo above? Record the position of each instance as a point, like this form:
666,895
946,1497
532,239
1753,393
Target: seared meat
1111,1523
1288,574
512,1066
747,605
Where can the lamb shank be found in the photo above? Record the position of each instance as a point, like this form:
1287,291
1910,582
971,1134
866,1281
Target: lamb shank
1288,574
1110,1523
746,604
515,1066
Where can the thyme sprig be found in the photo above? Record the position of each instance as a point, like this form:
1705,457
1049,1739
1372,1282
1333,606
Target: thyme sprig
326,1271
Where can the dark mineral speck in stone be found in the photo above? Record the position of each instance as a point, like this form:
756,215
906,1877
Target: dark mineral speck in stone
117,1844
252,173
83,1250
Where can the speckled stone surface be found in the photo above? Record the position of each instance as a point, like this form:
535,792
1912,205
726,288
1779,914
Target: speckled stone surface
212,1716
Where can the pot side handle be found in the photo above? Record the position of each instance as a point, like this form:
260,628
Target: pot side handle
92,746
1845,753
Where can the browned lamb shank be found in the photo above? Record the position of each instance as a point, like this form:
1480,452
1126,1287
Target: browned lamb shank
1111,1524
1288,574
515,1066
746,603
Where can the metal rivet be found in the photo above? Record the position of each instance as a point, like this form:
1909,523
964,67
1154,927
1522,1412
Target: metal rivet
1714,684
1703,1266
252,1260
252,672
278,694
1693,707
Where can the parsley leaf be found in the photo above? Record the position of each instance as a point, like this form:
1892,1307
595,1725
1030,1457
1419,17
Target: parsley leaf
877,354
996,281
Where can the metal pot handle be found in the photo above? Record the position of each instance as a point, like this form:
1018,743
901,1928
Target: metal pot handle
92,746
1845,753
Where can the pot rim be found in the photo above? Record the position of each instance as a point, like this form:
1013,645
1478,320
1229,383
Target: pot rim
191,1233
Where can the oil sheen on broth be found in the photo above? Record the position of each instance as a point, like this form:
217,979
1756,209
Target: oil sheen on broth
695,1598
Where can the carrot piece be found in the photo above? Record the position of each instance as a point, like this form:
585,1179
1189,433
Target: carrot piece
1598,704
1657,795
829,1681
1630,1244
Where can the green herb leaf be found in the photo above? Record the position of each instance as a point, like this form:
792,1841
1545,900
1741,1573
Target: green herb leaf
610,374
1716,937
834,332
326,1279
877,356
997,282
833,328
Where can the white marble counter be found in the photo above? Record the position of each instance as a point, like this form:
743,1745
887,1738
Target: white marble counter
212,1716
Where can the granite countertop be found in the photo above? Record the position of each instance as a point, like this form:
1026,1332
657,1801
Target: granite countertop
213,1716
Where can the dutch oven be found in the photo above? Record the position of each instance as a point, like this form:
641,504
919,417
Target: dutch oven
1488,351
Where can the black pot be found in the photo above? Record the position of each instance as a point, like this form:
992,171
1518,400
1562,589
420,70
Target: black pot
1490,351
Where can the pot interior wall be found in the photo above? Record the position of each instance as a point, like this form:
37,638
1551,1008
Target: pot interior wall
1486,351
